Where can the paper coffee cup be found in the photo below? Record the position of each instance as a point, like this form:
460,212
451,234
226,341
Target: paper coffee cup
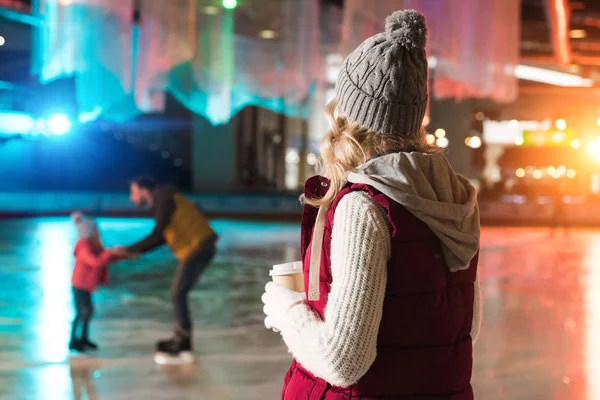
289,275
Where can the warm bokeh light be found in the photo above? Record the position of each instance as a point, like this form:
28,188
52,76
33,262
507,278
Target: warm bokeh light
551,170
575,143
514,123
268,34
519,141
473,142
558,137
561,124
520,173
440,133
443,142
571,173
211,10
480,116
594,148
537,174
578,34
430,139
561,170
476,142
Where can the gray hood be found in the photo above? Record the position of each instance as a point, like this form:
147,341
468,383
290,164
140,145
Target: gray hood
429,188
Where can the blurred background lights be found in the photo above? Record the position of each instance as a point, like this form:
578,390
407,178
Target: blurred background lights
211,10
230,4
59,124
473,142
268,34
443,142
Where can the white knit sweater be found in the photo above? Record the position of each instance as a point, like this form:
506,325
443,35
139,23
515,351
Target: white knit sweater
341,348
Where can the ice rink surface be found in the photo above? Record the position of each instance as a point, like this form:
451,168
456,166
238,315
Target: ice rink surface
540,338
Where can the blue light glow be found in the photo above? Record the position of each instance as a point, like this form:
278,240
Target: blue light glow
15,123
86,117
59,124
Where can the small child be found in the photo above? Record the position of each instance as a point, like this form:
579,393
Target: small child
91,262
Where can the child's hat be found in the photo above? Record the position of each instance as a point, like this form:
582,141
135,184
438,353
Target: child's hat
86,227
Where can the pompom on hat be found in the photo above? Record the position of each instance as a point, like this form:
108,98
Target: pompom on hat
383,83
408,28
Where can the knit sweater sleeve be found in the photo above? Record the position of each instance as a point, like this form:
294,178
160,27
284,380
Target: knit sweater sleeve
341,348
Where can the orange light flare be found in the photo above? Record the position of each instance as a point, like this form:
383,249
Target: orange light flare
558,137
594,148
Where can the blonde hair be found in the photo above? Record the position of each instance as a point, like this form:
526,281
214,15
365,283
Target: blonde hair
348,145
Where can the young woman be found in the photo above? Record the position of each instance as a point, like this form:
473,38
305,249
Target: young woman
390,238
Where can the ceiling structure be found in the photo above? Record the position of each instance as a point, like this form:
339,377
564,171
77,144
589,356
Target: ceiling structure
560,39
561,31
556,35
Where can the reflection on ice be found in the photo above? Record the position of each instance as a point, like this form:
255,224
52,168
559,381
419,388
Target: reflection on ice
54,257
83,371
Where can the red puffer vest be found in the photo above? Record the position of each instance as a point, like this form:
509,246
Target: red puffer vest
424,348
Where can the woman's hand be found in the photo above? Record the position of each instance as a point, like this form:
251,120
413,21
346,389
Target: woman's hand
278,300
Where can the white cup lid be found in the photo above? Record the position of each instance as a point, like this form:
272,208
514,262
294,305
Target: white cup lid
287,268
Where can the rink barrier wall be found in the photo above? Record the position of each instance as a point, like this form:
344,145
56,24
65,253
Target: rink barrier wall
108,204
272,206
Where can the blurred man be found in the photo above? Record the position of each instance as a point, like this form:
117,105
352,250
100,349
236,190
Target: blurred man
186,231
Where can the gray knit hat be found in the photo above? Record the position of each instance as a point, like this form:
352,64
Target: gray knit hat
383,83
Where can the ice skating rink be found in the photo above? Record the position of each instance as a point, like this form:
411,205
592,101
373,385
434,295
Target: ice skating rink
540,338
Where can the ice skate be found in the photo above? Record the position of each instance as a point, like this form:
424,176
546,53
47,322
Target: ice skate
77,348
175,351
89,345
